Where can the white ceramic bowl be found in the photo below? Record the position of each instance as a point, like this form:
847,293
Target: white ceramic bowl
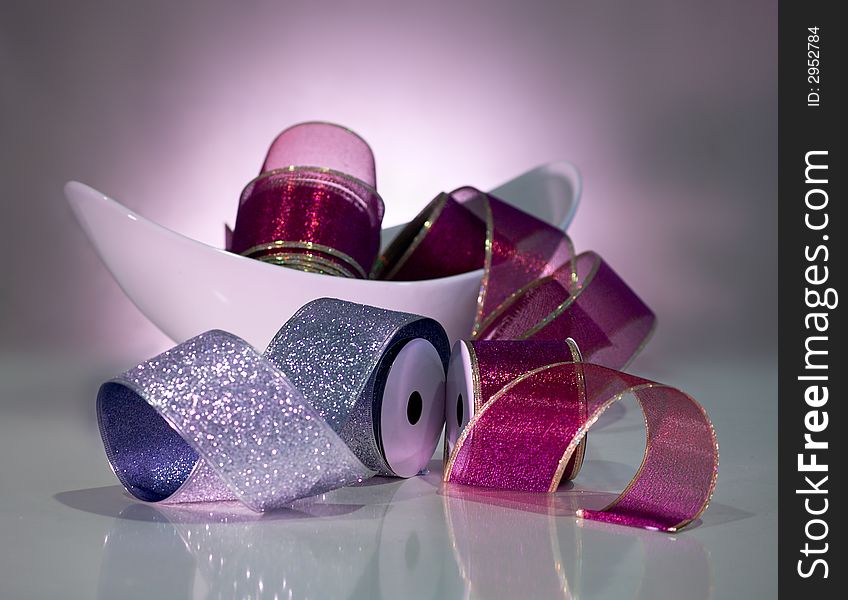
186,287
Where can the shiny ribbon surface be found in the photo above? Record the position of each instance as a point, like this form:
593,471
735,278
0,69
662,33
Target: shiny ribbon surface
529,421
313,206
505,362
213,419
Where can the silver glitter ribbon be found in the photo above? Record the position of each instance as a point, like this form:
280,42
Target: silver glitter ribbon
213,419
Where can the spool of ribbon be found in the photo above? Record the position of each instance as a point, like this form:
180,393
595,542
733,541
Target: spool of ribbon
314,205
530,411
343,392
468,389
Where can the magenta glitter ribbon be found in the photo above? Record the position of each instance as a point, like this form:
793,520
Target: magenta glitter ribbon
313,206
531,420
513,359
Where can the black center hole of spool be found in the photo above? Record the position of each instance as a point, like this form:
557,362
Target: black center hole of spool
460,409
414,408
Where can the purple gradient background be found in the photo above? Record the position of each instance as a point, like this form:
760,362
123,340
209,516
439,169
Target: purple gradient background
668,108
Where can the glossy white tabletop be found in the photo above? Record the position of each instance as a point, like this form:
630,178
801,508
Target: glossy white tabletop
67,529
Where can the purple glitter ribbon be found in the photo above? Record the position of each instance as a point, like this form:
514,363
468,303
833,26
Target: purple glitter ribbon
529,422
213,419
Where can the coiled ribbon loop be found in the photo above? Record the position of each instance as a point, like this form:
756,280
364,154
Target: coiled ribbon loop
534,286
524,433
212,419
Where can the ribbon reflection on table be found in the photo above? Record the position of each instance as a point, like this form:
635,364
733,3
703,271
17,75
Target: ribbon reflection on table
375,540
556,557
212,419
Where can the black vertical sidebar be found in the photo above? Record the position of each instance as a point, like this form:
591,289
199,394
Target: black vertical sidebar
812,332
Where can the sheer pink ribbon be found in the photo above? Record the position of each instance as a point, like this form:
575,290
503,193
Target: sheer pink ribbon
313,206
534,286
530,424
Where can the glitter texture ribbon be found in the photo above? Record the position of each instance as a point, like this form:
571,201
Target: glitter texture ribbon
529,421
213,419
338,355
504,362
